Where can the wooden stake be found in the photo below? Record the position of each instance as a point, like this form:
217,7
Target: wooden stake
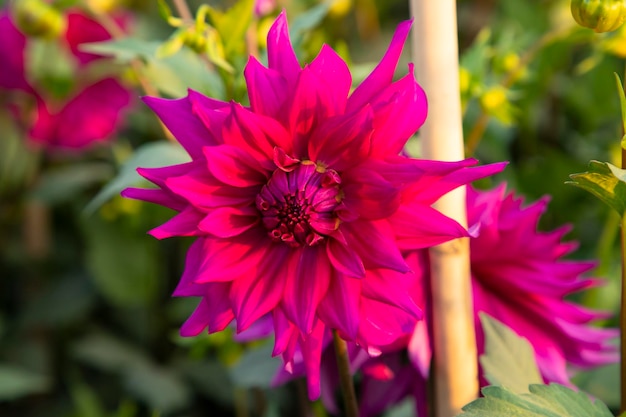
435,53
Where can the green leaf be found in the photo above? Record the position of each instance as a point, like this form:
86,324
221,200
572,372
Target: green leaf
127,274
622,101
147,156
509,359
172,45
211,378
232,25
305,22
159,387
107,353
49,307
64,183
124,49
174,75
18,382
164,10
543,401
256,368
605,181
85,399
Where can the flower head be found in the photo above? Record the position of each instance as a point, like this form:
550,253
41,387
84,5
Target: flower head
94,108
302,204
520,278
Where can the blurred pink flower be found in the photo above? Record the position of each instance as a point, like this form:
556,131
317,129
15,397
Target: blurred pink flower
92,112
301,203
520,278
13,75
263,7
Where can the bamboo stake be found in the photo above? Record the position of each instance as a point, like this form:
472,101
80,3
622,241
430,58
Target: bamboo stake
435,53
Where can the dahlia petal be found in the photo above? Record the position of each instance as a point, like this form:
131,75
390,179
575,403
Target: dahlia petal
229,221
398,112
334,75
187,285
178,116
256,134
12,47
392,288
340,308
418,227
77,126
379,371
213,312
382,75
280,54
254,295
284,331
455,179
342,141
220,311
369,194
184,223
311,103
375,244
155,196
260,329
345,259
378,394
82,29
197,322
312,346
307,287
211,112
419,348
228,259
159,176
383,324
233,166
266,90
202,190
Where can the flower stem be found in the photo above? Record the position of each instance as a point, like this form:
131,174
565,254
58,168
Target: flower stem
345,376
183,10
436,58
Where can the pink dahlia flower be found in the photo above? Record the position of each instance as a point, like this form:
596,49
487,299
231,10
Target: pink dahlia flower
520,278
93,111
301,202
264,7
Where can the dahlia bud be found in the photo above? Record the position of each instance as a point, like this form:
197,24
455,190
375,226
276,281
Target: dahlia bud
37,18
599,15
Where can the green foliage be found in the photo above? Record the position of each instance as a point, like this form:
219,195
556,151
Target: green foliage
172,74
89,329
125,274
18,382
543,401
256,368
149,156
509,360
606,182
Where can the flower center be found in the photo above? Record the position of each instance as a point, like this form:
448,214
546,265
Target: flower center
298,204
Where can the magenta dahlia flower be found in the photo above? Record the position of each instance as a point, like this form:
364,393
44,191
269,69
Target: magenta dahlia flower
520,278
301,203
91,113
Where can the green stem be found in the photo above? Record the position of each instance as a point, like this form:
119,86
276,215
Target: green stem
345,376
